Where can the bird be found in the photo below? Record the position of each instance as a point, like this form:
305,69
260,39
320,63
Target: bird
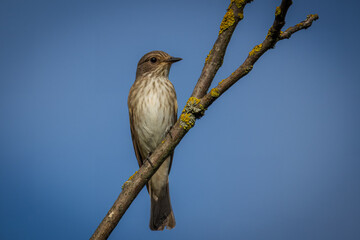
153,109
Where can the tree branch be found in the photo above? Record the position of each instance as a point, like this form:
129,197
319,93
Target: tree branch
274,35
302,25
214,60
200,101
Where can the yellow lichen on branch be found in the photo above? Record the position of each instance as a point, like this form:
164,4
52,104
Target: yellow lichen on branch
194,108
187,121
255,49
248,69
229,18
227,21
208,56
277,11
239,3
129,180
222,81
193,100
312,15
215,92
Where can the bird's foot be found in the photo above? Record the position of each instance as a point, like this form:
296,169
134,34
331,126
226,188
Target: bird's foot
148,159
168,131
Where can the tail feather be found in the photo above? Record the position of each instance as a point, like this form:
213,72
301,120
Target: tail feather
161,212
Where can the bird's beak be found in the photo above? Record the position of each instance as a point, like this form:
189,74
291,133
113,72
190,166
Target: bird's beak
174,59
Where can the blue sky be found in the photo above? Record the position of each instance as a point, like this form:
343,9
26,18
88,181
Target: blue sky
277,157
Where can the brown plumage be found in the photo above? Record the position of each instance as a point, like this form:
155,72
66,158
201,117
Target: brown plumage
153,110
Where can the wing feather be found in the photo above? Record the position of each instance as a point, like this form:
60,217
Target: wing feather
135,139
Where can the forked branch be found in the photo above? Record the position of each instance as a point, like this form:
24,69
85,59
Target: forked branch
200,100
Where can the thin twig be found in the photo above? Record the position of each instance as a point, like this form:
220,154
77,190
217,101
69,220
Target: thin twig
302,25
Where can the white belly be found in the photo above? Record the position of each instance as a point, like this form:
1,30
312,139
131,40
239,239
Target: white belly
159,116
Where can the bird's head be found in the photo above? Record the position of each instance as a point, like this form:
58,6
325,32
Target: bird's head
155,63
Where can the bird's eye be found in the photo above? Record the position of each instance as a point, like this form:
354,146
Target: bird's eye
153,60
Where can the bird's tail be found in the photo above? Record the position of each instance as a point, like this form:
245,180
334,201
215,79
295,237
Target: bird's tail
161,215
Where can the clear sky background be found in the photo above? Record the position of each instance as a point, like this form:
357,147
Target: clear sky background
277,157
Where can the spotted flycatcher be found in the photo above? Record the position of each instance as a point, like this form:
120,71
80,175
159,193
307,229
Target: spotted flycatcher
153,110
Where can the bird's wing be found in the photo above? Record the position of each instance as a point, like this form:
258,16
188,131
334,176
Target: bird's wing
140,158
